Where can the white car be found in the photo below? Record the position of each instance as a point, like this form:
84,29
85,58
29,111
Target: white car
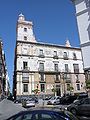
29,103
54,100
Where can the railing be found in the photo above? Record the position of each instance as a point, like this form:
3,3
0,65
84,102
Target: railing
41,55
55,57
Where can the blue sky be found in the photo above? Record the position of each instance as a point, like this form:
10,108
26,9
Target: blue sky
54,21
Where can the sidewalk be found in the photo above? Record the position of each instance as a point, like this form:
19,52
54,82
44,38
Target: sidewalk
8,108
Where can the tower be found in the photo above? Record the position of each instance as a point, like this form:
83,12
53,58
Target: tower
25,30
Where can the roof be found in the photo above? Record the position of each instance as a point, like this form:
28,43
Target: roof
49,45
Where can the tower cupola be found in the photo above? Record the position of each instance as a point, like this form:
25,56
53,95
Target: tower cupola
21,17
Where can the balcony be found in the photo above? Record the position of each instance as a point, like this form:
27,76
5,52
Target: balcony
41,55
57,81
74,58
77,81
42,81
26,69
41,70
76,70
25,81
65,57
55,57
68,81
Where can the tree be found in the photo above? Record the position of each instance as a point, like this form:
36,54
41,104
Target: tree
54,90
70,88
36,91
87,87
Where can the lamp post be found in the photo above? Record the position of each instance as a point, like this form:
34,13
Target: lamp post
63,82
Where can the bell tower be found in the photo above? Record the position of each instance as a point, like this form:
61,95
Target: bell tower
25,30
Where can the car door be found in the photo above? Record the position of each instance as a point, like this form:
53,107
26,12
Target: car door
84,107
57,100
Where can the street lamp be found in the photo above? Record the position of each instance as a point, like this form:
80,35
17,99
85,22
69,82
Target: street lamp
63,82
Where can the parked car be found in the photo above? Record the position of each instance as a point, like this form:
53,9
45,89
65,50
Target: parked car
18,101
54,100
28,103
80,107
68,99
43,114
82,95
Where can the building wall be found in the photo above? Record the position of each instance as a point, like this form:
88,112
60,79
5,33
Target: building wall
83,22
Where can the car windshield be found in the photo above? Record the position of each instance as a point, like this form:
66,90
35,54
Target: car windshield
53,98
76,102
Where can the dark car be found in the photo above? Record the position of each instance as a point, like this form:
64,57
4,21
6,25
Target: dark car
80,107
44,114
68,99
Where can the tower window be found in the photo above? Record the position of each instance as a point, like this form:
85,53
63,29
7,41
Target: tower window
25,29
25,37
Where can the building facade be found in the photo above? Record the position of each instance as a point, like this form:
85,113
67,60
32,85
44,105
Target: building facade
83,22
4,80
43,66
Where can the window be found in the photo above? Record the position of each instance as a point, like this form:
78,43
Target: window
25,29
56,77
42,76
46,116
25,65
74,56
77,77
42,87
25,77
78,86
56,67
25,87
66,68
55,53
68,87
65,55
76,68
17,118
28,116
41,66
40,52
25,37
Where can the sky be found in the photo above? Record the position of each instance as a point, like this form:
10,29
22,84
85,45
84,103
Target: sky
54,22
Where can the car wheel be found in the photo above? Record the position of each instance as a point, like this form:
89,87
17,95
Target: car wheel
73,111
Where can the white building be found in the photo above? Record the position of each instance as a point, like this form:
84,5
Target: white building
83,22
45,66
